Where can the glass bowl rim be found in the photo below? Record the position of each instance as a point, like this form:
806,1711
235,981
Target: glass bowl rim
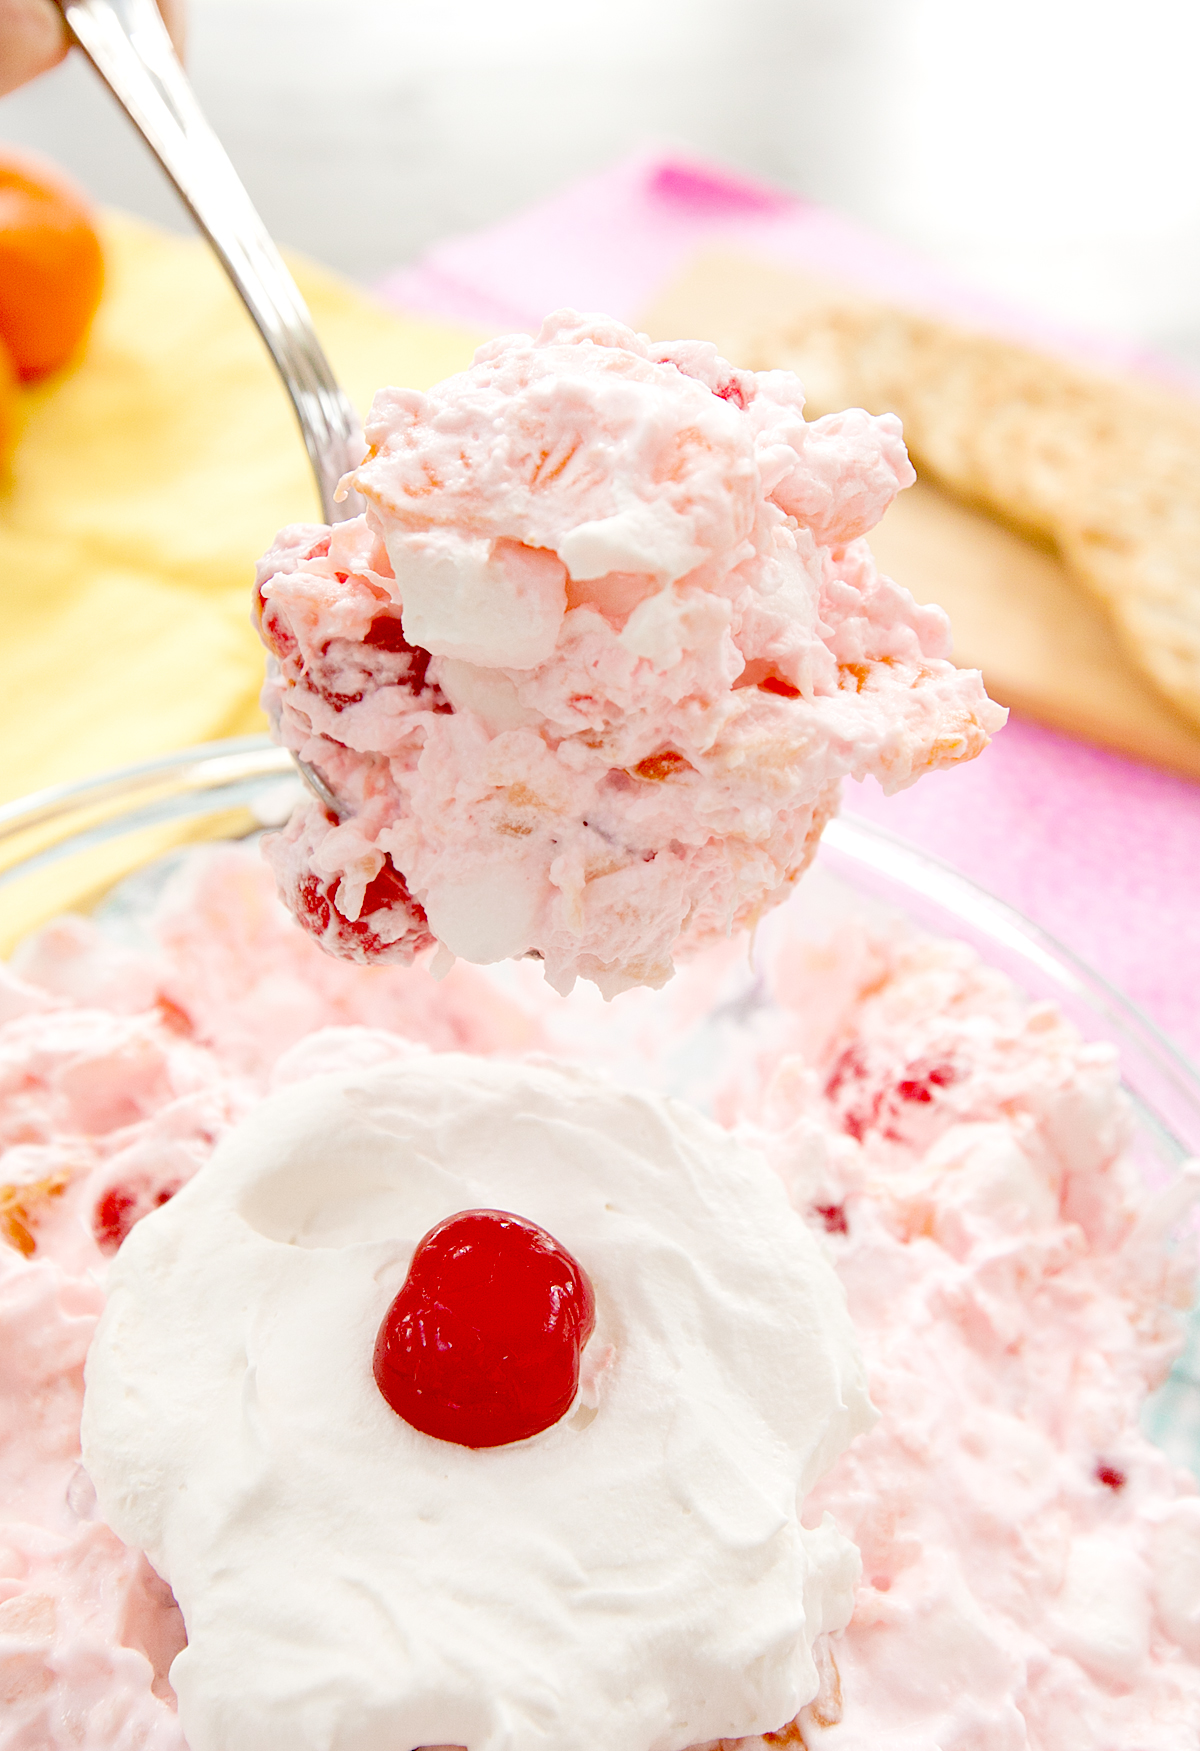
848,840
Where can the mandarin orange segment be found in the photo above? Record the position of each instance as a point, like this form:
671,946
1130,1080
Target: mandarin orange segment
51,266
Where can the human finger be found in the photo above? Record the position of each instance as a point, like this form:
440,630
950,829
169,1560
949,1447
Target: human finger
33,38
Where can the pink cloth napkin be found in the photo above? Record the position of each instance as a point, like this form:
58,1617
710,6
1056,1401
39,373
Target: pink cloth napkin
1101,851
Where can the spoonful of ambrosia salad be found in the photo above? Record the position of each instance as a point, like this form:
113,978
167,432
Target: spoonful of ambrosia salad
585,677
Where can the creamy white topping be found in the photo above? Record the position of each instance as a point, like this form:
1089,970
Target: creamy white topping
636,1576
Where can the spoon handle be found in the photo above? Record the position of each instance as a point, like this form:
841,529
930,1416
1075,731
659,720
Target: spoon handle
127,43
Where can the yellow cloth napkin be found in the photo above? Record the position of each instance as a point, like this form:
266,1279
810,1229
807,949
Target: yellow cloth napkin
146,483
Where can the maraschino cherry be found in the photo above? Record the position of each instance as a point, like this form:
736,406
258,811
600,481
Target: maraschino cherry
481,1346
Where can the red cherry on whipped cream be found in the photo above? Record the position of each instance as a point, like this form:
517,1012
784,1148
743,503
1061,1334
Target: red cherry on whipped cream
482,1344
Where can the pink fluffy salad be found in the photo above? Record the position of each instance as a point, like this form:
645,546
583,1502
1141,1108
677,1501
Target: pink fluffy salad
585,679
1030,1575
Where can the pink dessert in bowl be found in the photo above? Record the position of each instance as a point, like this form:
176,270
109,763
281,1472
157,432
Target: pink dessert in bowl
962,1156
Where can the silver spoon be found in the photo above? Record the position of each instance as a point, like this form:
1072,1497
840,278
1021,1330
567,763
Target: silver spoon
127,43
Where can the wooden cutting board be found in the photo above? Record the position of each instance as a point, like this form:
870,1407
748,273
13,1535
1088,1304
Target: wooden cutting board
1045,646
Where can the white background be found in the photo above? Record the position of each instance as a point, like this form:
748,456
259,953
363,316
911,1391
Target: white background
1048,148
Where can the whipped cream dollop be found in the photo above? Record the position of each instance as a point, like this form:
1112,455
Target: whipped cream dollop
635,1576
586,678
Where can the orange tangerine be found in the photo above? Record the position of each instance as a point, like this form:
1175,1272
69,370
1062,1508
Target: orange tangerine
10,405
51,265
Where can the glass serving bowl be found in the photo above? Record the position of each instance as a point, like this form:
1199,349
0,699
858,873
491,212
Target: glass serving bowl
106,844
